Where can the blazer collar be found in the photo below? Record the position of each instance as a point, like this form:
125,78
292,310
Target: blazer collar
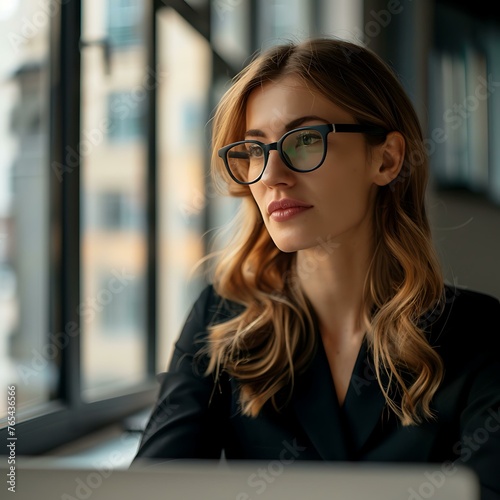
364,402
338,433
317,409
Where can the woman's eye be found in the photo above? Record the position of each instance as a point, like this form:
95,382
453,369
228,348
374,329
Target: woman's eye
254,151
307,139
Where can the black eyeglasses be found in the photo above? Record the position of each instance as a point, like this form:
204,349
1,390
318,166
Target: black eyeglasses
302,150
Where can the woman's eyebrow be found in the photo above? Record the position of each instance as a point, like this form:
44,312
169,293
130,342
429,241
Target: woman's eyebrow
289,126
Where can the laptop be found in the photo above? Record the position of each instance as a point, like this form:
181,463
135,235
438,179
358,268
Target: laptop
195,480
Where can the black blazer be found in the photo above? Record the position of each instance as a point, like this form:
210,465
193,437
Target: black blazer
195,418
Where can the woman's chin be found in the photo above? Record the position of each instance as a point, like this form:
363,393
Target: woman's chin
287,246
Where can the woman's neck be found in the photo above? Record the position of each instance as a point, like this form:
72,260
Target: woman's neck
334,283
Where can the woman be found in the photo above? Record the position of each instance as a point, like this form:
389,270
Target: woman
327,332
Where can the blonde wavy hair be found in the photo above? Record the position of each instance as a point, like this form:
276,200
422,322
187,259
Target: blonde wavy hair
270,342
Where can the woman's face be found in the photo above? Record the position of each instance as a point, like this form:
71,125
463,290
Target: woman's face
336,199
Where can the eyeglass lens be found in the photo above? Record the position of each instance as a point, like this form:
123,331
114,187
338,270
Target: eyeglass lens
302,150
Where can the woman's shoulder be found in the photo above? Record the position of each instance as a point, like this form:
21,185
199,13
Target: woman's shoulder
208,308
468,304
213,307
469,319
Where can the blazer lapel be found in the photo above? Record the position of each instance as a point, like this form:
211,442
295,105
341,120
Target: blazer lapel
364,401
338,433
316,406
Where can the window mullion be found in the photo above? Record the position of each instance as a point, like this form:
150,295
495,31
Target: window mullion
68,216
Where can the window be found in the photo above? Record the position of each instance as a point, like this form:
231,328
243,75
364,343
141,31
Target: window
182,171
231,29
113,187
126,116
463,151
124,22
75,338
123,317
26,359
111,210
281,20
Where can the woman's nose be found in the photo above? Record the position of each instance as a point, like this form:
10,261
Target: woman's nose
276,171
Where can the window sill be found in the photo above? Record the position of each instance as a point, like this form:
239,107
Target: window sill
113,447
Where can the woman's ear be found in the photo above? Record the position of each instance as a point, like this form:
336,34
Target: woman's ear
392,153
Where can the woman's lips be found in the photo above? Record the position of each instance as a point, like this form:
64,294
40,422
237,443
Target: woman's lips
286,208
284,214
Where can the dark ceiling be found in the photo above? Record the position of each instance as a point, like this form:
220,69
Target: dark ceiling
475,8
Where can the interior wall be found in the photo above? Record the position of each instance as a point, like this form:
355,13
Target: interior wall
466,232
